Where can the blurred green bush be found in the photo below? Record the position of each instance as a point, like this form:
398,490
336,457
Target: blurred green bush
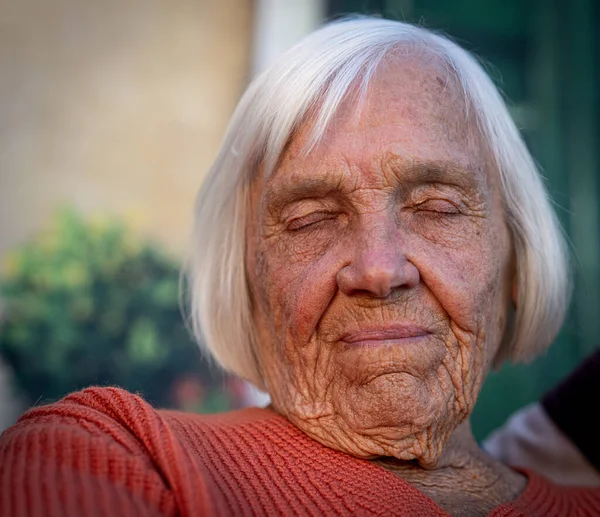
86,303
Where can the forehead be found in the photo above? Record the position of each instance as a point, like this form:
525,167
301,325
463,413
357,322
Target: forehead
413,112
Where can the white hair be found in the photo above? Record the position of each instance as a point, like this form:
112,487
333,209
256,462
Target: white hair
312,79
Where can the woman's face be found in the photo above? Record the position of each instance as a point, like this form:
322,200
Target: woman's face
380,270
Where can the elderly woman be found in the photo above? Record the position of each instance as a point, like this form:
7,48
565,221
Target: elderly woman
372,238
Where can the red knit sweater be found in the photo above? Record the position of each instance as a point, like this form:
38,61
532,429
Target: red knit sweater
106,452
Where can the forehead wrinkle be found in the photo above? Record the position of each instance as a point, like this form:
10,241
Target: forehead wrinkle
410,170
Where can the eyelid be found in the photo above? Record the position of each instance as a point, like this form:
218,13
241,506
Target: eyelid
306,207
309,219
303,207
439,201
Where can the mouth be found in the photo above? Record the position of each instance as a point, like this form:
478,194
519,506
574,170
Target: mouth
382,336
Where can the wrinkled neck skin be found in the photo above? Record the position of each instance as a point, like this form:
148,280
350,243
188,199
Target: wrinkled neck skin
484,482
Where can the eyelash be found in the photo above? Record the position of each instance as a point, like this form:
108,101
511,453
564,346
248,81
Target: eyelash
310,220
301,223
454,210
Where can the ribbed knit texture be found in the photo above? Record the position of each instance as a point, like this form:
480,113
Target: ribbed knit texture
106,452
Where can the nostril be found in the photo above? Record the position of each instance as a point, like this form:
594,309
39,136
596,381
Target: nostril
377,279
378,282
374,282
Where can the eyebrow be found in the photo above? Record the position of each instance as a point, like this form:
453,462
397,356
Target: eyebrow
302,189
419,173
444,172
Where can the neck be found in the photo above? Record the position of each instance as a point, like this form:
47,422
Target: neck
464,476
461,447
460,450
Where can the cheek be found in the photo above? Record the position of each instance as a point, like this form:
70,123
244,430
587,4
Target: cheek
469,283
295,291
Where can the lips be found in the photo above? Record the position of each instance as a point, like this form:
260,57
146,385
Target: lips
385,335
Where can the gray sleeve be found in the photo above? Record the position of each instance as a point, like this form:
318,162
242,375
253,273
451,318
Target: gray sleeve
530,439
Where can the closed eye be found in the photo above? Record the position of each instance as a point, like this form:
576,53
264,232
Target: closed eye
307,221
439,206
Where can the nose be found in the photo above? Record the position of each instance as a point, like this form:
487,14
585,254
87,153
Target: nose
378,265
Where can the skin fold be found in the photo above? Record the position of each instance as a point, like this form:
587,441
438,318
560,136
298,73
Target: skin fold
381,270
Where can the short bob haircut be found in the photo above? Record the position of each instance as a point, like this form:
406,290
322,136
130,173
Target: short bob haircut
311,80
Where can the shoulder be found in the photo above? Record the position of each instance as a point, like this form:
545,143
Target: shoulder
109,415
110,445
104,403
545,498
118,410
115,415
103,415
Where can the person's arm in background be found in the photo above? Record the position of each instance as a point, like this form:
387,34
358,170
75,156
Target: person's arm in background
558,437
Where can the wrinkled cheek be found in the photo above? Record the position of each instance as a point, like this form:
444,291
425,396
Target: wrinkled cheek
464,288
299,294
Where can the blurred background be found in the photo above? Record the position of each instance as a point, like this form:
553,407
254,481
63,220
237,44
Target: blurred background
112,111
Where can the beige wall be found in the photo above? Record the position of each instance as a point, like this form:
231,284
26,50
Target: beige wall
115,106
